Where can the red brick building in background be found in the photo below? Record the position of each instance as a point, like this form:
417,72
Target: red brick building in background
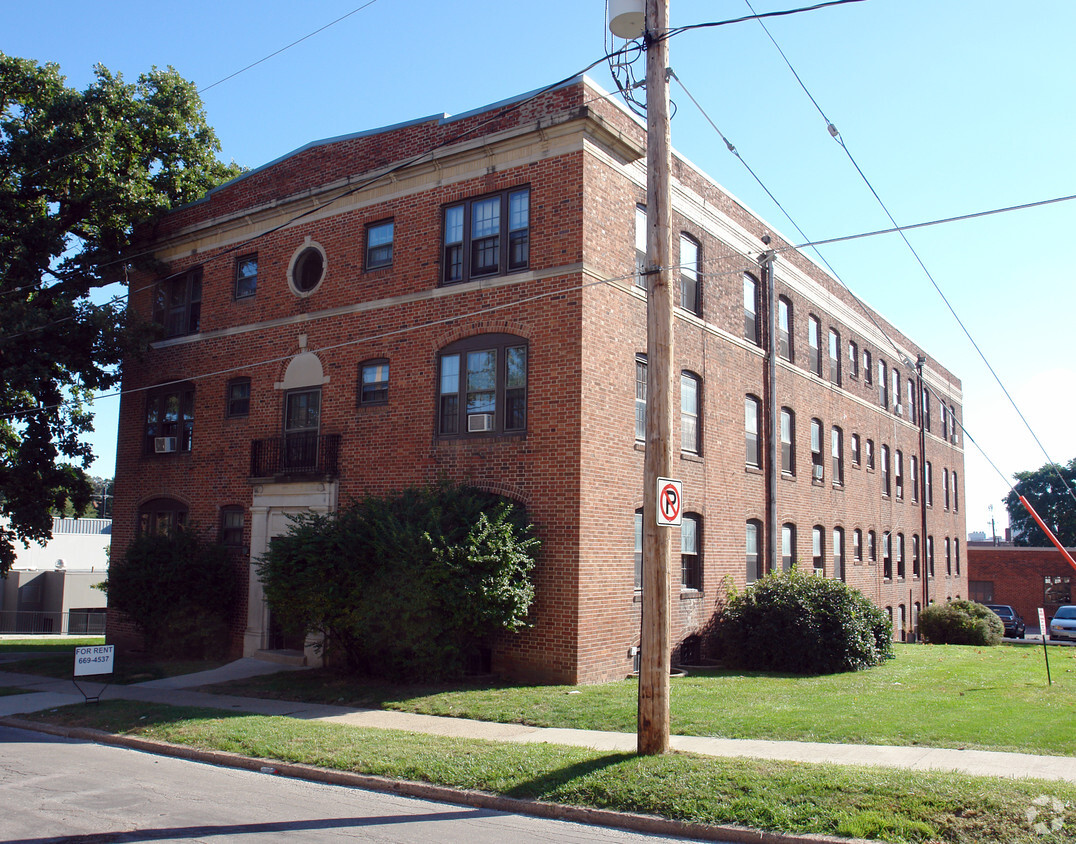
1024,578
460,297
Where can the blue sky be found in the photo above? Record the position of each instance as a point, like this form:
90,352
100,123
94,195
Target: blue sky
948,107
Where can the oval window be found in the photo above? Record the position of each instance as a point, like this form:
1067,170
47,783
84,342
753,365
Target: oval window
308,269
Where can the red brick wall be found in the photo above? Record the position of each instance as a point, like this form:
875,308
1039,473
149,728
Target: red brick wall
1017,576
578,467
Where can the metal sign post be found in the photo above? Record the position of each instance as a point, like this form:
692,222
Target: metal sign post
1045,651
91,661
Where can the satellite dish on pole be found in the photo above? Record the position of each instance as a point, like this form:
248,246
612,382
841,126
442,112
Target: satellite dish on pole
627,18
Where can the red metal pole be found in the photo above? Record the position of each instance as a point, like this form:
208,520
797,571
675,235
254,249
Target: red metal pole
1049,533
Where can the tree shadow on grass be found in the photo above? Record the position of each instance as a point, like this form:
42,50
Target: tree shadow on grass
549,781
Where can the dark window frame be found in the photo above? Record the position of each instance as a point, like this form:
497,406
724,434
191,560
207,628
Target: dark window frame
788,441
503,403
378,256
753,439
691,559
690,282
814,347
753,561
162,512
785,329
246,283
177,303
374,392
459,257
691,440
751,332
156,424
237,406
836,438
818,466
231,534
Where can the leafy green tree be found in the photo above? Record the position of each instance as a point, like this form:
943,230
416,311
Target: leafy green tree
406,584
179,590
79,171
1049,490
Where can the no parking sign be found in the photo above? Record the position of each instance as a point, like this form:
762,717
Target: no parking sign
670,501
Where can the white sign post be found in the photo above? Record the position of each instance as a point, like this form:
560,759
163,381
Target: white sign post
1045,635
670,502
91,661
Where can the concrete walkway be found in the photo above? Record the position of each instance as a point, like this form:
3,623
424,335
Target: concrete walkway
43,693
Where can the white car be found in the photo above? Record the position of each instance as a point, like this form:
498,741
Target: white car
1063,624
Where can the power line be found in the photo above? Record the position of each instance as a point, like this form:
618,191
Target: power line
836,135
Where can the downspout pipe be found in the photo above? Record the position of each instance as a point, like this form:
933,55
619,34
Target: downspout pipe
765,261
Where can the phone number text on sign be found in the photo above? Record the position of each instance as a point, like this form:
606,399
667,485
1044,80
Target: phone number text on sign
94,659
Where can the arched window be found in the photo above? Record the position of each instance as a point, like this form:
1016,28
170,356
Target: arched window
788,546
915,555
818,549
161,516
788,441
752,425
690,429
886,490
754,550
691,551
818,471
750,309
887,555
690,298
857,546
838,553
835,357
900,556
482,388
814,341
837,450
784,328
872,547
898,473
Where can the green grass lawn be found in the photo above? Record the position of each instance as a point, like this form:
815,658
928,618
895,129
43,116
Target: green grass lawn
41,646
883,804
939,696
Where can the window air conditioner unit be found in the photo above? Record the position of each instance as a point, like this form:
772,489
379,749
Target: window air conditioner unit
899,409
818,473
952,439
164,445
479,422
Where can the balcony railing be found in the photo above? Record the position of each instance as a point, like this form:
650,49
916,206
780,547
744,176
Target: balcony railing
295,455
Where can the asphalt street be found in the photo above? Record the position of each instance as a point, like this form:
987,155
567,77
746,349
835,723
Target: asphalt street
58,790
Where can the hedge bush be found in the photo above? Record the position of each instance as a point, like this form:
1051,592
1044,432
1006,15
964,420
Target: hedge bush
960,623
179,590
802,624
404,585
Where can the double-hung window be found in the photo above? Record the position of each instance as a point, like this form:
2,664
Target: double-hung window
374,382
482,386
837,454
818,472
750,309
835,357
752,414
689,412
814,338
788,441
246,276
379,245
177,304
486,236
690,558
640,398
754,550
784,328
238,398
169,419
690,298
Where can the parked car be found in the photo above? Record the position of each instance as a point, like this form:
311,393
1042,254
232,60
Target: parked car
1063,624
1010,619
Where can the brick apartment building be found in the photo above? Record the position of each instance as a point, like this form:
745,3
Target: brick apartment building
459,297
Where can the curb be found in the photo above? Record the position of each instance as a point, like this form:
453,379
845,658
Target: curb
649,824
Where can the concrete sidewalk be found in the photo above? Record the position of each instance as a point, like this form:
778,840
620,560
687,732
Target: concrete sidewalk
45,693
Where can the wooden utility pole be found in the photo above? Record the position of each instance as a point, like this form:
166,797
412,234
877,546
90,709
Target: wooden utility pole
653,730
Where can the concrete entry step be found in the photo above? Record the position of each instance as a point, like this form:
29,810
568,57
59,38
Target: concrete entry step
282,657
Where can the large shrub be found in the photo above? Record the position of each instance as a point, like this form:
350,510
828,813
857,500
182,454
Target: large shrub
404,585
180,592
960,623
804,624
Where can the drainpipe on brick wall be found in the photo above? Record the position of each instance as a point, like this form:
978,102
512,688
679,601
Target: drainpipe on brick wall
765,261
924,564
